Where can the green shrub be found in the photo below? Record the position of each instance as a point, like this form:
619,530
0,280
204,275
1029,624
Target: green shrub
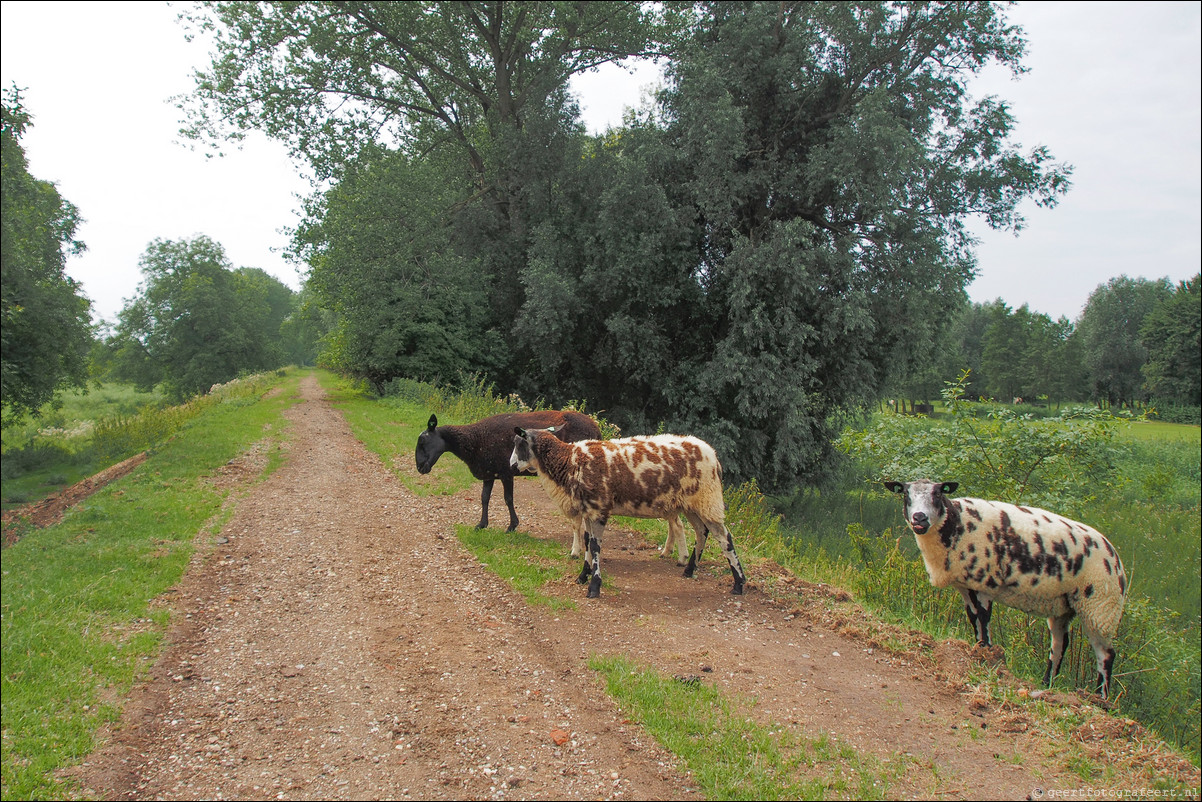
1175,413
1059,462
474,399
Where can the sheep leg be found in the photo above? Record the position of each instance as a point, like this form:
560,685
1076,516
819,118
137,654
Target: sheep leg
696,554
728,548
1104,653
979,608
594,550
578,537
675,536
703,533
587,569
485,495
1058,627
507,484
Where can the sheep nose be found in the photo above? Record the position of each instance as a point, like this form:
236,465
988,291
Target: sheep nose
920,518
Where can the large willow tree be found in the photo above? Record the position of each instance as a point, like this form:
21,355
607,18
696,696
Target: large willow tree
777,240
785,235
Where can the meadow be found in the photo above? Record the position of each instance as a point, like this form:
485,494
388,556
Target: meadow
66,444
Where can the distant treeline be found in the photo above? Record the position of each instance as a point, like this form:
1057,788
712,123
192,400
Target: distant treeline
1135,345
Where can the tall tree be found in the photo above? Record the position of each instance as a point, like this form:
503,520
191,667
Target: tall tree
965,344
1109,329
485,81
382,258
831,157
196,321
45,320
1172,336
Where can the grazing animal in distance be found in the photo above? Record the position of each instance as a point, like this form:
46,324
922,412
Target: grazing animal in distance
644,477
485,446
1024,557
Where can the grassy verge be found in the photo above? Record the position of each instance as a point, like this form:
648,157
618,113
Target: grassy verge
80,621
526,563
729,754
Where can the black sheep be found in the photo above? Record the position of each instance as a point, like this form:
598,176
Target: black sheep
485,446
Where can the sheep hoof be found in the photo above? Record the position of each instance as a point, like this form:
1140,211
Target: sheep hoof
594,588
737,590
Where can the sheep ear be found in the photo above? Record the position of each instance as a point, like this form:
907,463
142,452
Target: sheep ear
896,487
432,423
550,428
520,432
949,487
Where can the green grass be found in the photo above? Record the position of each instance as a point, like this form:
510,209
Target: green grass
390,427
1164,432
57,449
729,754
80,623
528,564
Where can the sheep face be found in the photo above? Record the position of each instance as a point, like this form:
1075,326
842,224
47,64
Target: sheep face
522,458
430,447
925,502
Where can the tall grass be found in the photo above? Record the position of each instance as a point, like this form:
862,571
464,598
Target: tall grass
473,399
80,622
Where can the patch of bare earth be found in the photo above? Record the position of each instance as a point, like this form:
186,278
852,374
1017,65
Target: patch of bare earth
339,643
50,509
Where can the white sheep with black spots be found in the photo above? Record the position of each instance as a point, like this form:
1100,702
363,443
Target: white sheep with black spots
1026,558
664,476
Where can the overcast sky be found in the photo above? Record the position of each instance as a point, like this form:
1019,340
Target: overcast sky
1113,88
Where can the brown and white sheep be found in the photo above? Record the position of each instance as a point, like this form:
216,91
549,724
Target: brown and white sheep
1024,557
663,476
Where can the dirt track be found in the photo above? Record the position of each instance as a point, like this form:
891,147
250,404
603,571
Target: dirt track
339,643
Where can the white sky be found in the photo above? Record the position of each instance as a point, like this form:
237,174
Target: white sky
1113,88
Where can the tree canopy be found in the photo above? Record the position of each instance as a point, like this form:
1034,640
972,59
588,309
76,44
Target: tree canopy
45,320
1172,336
1110,336
773,243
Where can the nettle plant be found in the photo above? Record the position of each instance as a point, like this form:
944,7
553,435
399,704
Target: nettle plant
1060,462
